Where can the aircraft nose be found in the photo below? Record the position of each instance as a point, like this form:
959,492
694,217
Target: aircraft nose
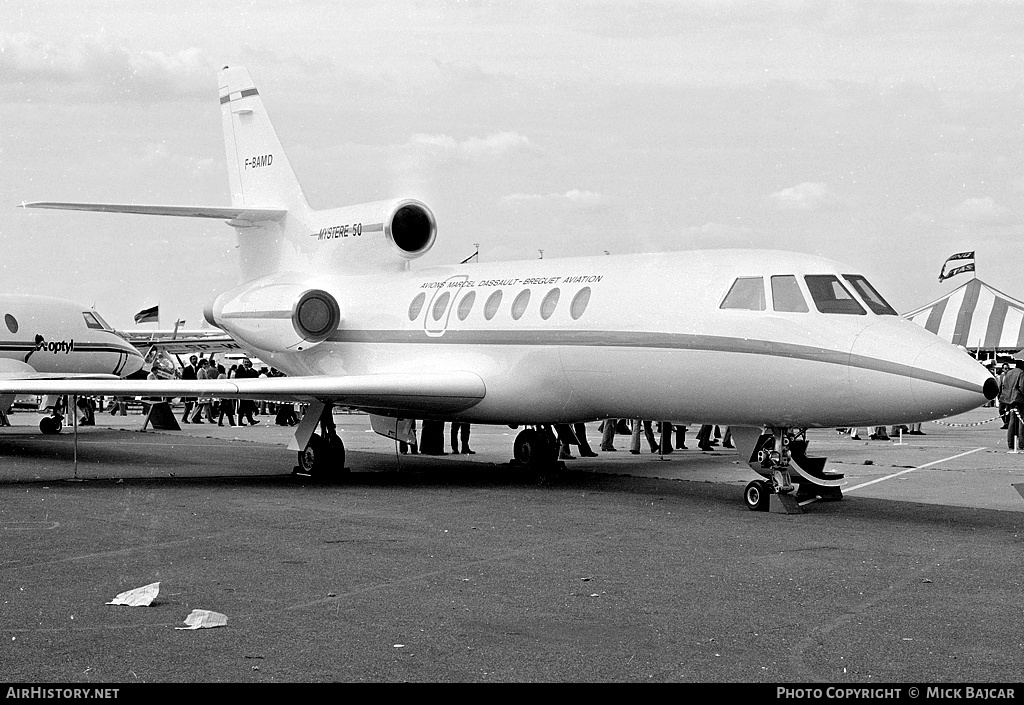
904,374
133,364
950,382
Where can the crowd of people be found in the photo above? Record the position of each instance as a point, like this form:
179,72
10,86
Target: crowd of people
212,410
673,437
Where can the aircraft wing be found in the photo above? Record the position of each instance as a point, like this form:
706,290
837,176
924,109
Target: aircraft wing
188,345
252,215
412,394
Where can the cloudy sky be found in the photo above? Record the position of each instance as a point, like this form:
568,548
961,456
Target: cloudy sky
887,135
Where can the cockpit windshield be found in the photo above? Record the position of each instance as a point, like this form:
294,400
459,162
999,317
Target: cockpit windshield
871,297
95,321
830,296
746,293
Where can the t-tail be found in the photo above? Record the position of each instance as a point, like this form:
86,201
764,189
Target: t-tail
278,231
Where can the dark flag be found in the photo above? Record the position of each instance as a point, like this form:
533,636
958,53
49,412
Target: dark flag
148,314
962,261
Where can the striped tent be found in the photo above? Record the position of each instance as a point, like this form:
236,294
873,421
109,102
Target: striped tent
975,316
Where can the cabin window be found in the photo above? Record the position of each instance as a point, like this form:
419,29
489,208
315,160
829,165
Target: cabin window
12,323
416,306
547,306
466,305
830,296
786,295
441,305
491,307
520,304
871,297
579,303
746,293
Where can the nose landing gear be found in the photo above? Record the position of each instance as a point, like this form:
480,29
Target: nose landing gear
771,459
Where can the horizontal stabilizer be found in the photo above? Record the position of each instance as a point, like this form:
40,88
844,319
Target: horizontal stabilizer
398,392
251,215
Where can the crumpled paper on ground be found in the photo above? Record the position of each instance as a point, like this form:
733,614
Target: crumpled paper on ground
139,597
205,619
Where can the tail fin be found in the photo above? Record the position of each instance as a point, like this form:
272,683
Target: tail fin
258,169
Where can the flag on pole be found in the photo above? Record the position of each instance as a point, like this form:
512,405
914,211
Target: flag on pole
147,315
960,264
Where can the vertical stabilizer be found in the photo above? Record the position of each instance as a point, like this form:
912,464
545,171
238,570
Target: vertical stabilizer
258,168
260,177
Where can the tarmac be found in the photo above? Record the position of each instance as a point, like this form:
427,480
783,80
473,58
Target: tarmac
464,568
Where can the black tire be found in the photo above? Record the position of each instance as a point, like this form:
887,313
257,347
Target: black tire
757,496
322,458
49,425
309,456
334,457
528,448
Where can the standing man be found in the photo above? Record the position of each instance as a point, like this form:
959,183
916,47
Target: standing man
608,434
246,407
1002,407
460,429
188,372
1011,393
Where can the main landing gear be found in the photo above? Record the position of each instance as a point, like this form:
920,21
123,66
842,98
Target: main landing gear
536,448
323,456
777,453
51,425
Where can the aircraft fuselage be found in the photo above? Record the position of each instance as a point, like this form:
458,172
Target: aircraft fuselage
561,340
55,336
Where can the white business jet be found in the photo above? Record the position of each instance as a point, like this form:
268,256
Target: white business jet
767,342
44,338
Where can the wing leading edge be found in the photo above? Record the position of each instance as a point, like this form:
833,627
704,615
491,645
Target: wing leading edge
423,393
249,215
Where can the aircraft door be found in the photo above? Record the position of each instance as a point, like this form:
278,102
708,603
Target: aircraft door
439,308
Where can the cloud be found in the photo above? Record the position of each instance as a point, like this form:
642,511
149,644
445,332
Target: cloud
473,148
983,211
807,196
100,67
575,197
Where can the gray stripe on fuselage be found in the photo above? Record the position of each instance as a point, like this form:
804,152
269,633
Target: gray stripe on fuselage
667,341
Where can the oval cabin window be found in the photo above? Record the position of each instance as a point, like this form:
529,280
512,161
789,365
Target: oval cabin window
491,307
441,305
520,304
12,323
466,305
579,303
547,306
416,306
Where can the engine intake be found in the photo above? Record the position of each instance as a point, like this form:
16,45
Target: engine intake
276,316
316,315
411,228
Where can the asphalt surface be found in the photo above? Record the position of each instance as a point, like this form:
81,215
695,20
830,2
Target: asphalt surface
461,568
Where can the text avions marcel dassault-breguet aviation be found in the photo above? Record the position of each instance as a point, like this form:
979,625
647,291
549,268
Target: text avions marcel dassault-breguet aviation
45,338
328,299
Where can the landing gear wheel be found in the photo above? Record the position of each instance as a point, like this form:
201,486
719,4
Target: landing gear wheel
529,447
757,495
50,425
322,457
310,455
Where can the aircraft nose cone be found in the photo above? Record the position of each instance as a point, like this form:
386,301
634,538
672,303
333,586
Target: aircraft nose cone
950,382
133,364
